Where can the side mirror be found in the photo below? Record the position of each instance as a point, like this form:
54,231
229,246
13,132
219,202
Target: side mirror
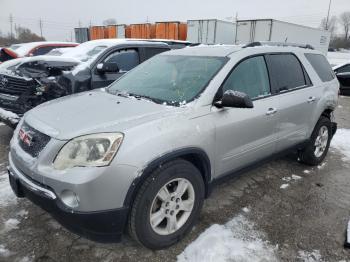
107,68
234,99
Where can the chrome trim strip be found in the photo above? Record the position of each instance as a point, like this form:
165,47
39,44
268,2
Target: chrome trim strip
29,184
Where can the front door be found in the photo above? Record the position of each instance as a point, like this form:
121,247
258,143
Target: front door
125,59
246,135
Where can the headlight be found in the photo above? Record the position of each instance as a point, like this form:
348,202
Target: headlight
89,150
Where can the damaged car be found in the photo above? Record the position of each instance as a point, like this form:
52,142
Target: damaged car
28,82
31,49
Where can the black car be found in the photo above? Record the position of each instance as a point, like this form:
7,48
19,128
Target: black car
28,82
343,74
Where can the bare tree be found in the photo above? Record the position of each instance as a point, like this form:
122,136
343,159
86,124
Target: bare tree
345,22
331,26
109,21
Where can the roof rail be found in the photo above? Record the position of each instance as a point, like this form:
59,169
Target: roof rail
266,43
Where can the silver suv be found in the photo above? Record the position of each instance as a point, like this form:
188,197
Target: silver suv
146,151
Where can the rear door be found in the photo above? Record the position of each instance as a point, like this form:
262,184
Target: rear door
126,59
246,135
296,98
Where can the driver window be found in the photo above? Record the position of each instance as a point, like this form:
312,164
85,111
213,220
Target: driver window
125,59
250,77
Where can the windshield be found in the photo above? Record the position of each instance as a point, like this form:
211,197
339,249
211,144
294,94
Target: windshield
168,78
85,52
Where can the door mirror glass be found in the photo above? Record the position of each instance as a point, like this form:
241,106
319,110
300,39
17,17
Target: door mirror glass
234,99
107,67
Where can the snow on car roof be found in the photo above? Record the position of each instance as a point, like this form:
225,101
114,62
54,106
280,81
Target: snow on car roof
23,49
207,50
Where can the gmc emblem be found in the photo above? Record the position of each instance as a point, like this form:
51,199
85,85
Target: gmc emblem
25,137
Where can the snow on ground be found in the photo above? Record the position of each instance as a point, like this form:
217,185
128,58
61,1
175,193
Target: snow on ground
4,252
341,142
284,186
237,240
7,197
307,171
12,117
313,256
9,225
2,124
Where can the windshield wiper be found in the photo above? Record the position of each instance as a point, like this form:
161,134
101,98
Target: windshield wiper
155,100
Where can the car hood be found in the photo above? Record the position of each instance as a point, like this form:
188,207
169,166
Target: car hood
94,112
38,66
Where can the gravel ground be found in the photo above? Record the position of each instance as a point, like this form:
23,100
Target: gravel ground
303,221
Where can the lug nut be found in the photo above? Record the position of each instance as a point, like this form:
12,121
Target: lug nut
178,200
171,212
177,206
167,204
167,211
172,198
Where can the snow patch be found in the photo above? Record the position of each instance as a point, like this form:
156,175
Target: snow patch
307,171
322,165
9,225
341,142
4,252
284,186
237,240
7,197
295,177
313,256
245,209
9,116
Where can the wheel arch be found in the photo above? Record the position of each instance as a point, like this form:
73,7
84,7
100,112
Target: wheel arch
196,156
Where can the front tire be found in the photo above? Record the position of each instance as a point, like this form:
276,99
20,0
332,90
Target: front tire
167,205
316,150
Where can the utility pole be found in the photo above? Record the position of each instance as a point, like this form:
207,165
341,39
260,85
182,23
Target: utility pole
329,8
41,27
11,22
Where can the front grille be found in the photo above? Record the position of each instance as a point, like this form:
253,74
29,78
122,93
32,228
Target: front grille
32,141
16,85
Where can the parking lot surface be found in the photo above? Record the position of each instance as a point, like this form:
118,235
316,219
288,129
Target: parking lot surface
282,211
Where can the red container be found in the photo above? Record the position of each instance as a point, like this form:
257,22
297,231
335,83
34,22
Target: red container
97,32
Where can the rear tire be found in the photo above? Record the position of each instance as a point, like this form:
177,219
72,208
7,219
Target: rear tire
167,205
316,149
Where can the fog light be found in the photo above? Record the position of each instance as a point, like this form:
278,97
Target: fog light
70,199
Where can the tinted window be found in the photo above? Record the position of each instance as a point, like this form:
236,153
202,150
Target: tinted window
43,50
321,66
344,69
286,72
125,59
151,51
250,77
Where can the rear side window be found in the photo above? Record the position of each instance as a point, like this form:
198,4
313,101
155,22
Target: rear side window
125,59
286,72
321,66
151,51
250,77
43,50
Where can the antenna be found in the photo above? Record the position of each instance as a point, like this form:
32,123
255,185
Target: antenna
41,27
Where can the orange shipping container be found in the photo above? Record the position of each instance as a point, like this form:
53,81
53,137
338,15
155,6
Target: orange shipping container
171,30
97,32
142,31
110,31
128,31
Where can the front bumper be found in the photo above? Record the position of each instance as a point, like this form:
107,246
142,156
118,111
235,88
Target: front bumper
101,226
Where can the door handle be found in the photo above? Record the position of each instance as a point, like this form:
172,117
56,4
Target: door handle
271,111
311,99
